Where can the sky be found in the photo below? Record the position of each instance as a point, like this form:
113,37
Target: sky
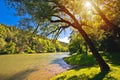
7,17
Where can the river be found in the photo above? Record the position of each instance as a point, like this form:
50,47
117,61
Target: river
53,64
33,66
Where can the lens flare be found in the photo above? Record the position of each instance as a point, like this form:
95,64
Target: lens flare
87,5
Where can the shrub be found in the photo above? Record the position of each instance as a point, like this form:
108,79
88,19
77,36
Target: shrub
80,59
29,50
9,48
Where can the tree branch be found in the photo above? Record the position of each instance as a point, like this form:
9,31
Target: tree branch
36,29
58,17
66,26
54,31
70,14
67,22
58,33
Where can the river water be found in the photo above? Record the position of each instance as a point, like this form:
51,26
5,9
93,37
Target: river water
32,66
53,65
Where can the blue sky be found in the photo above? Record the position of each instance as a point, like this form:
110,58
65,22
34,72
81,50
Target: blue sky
7,17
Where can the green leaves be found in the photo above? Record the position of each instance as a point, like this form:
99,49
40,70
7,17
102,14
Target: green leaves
13,41
40,10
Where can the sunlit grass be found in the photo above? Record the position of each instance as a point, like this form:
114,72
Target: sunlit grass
89,73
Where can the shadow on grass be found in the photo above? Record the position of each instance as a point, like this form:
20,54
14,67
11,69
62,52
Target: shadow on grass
78,67
61,78
21,75
113,57
100,76
81,77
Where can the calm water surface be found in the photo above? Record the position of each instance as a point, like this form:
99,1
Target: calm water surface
33,66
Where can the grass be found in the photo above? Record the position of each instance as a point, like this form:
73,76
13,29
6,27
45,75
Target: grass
90,71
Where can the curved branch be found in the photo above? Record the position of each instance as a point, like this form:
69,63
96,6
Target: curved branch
58,33
54,31
58,17
67,22
70,14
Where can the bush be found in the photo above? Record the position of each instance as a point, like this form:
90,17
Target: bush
9,48
29,50
80,59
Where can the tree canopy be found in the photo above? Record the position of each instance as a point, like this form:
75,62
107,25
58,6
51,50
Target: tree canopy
14,40
86,16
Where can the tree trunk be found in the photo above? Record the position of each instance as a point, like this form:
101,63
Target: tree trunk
98,57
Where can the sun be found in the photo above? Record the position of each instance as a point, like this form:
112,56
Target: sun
88,5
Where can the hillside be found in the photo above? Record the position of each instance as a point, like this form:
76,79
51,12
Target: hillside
14,40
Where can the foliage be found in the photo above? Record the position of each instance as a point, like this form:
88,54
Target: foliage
59,47
112,57
110,44
2,43
99,27
77,44
29,50
13,41
77,16
80,59
9,48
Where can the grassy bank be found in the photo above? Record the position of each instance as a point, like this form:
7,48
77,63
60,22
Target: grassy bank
89,70
89,73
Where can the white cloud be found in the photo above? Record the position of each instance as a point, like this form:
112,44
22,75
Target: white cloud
65,39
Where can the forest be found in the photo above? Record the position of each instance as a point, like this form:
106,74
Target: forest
15,41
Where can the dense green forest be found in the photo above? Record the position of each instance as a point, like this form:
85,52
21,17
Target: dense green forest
104,41
14,40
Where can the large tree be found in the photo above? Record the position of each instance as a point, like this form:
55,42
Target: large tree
112,7
59,14
109,11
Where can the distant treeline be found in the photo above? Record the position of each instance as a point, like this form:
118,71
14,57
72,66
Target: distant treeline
14,40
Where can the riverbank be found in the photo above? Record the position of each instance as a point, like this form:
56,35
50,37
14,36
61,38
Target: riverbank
32,66
88,69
